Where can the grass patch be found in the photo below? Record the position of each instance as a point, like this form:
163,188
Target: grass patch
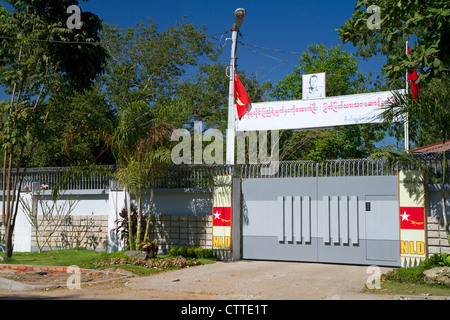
81,257
410,281
399,288
90,259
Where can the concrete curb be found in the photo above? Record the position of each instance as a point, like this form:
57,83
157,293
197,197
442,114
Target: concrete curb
17,285
403,297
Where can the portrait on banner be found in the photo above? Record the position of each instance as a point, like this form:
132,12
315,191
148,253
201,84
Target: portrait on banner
314,86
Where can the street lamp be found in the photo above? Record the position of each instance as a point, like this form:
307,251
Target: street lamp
239,16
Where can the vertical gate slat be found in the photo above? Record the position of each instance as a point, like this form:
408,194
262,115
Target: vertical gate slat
343,216
280,211
353,220
288,217
306,218
297,218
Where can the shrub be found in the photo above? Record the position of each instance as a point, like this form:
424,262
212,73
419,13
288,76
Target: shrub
415,274
191,252
178,262
406,275
437,260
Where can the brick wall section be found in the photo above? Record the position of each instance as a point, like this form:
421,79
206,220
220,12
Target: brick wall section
437,237
85,231
174,230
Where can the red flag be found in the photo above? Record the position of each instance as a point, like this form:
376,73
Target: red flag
242,100
412,77
412,218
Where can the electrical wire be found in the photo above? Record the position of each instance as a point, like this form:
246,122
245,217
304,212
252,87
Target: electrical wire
90,43
248,46
289,63
302,53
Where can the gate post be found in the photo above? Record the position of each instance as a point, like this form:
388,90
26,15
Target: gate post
236,232
226,231
413,229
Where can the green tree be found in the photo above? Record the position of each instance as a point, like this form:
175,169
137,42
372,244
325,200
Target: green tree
343,78
426,23
36,65
83,109
148,65
143,168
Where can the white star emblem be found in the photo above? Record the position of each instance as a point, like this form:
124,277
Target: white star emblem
404,216
217,215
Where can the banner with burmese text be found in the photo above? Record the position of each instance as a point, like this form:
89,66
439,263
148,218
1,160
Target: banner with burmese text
222,212
352,109
413,245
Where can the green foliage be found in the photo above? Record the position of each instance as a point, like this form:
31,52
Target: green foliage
147,64
191,252
426,22
67,257
406,275
437,260
429,113
341,68
35,68
414,274
123,225
91,259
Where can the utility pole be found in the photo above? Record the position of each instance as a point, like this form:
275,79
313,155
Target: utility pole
239,16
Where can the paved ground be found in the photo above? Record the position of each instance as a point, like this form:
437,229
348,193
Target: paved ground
241,280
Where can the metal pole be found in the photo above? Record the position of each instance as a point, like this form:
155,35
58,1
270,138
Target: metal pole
406,126
231,112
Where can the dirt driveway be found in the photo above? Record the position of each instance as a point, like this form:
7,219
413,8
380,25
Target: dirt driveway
240,280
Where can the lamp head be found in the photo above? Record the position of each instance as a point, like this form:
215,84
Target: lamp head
239,16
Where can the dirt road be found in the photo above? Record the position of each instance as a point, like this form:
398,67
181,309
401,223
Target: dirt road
241,280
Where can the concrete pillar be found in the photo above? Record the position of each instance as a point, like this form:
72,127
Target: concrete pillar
115,204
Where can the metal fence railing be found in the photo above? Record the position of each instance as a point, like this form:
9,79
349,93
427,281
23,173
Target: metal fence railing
192,176
200,176
329,168
434,169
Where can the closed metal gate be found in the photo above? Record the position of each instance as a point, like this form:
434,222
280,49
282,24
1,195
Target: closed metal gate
333,219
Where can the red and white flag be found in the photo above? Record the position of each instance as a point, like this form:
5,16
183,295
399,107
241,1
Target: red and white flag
412,218
242,100
222,216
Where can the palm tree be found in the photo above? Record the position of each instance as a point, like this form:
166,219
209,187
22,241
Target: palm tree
141,146
144,169
430,112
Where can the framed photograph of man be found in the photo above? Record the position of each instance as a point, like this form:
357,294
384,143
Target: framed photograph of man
313,86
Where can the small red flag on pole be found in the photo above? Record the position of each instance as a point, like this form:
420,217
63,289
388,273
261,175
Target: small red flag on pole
412,77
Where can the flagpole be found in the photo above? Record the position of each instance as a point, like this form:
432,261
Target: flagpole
231,112
406,125
239,16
